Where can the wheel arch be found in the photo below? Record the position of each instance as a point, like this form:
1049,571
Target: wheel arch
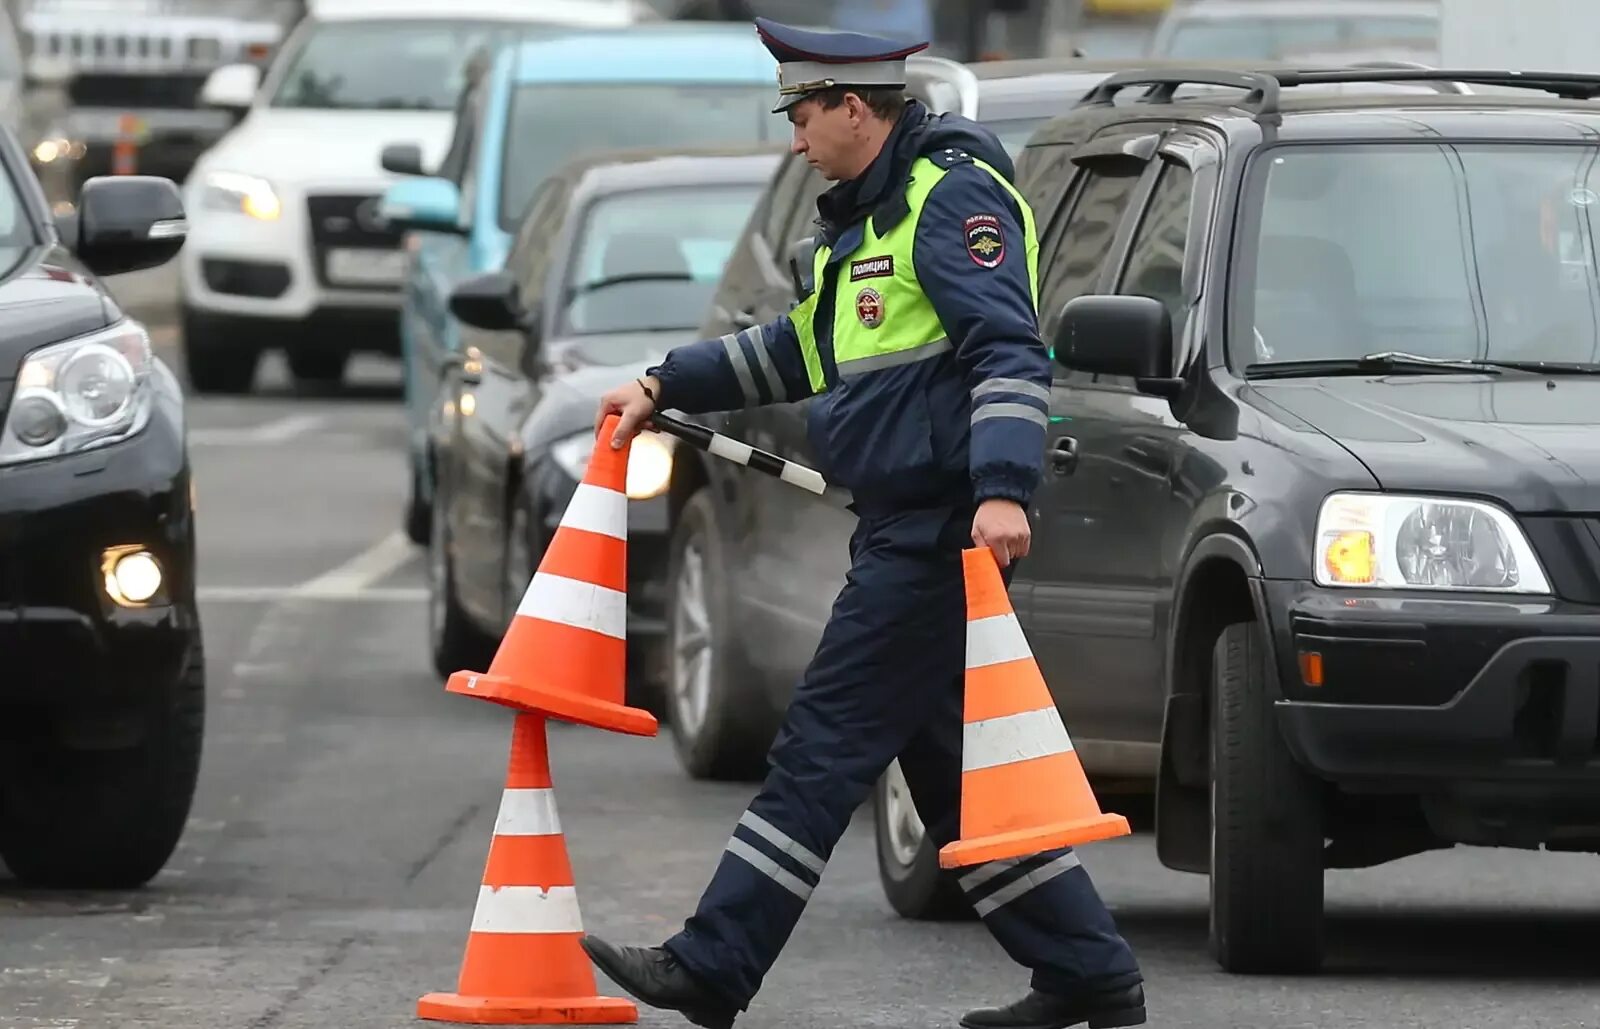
1220,584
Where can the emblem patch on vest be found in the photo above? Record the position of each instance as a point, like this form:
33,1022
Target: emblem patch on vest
869,307
985,243
872,267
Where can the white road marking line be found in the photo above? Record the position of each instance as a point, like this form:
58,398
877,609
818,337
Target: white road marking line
275,594
279,430
355,575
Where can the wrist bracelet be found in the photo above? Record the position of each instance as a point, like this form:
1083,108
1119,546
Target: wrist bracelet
647,390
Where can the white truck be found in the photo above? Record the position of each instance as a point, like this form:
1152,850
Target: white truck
100,72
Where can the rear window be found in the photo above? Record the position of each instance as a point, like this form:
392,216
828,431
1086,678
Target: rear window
551,123
1458,250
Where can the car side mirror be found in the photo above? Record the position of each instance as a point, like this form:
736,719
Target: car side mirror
429,204
488,301
402,159
802,253
232,87
127,223
1127,336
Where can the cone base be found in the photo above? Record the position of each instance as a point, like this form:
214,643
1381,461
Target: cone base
452,1007
1025,842
558,704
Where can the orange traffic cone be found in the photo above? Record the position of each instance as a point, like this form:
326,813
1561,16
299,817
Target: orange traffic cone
523,964
565,653
1022,786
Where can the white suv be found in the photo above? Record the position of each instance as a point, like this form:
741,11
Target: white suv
286,249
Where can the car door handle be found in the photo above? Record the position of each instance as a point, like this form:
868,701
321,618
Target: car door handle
1064,456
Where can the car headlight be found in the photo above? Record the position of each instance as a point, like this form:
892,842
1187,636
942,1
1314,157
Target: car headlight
240,194
649,462
1429,543
82,393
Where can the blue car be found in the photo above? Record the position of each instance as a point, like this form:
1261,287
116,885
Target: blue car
529,107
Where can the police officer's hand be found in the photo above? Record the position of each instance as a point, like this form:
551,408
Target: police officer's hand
632,405
1002,526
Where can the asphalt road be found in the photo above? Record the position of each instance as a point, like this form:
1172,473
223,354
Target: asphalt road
329,872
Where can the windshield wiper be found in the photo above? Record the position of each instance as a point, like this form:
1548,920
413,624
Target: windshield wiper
613,280
1543,367
1384,361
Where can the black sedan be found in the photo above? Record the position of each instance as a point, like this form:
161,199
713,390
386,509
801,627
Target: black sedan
615,263
102,682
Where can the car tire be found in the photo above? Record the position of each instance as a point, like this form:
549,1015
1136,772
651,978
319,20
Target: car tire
84,819
214,359
318,366
1266,823
418,513
721,726
908,861
454,642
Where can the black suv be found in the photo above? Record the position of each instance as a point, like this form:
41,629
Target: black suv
1317,551
102,675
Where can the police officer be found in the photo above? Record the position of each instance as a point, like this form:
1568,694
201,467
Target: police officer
920,344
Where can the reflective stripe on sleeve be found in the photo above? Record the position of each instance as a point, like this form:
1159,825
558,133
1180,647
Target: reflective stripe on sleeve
1021,412
1019,386
741,369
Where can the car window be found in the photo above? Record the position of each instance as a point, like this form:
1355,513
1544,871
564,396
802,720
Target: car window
1445,250
650,259
552,122
372,64
529,260
1155,261
1079,245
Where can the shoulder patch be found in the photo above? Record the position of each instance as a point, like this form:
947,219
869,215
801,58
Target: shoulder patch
986,244
950,157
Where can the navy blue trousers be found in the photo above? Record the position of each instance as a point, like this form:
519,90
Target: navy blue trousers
886,682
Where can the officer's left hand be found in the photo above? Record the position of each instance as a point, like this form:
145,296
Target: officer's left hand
1002,526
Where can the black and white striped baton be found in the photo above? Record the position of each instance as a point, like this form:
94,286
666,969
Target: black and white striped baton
728,448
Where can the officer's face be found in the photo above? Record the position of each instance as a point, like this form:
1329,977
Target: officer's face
832,139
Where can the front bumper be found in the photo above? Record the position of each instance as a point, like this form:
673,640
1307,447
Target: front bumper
65,641
288,271
1496,689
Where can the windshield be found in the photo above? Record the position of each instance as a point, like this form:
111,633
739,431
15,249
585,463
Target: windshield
1465,251
651,258
1261,38
552,122
399,65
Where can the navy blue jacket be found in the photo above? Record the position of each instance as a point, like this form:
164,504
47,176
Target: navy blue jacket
965,427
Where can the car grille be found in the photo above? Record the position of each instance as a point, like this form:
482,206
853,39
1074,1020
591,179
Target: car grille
346,221
136,91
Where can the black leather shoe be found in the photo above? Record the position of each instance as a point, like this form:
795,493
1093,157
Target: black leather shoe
1104,1010
654,977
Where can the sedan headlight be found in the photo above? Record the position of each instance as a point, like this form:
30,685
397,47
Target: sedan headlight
83,393
1429,543
240,194
649,462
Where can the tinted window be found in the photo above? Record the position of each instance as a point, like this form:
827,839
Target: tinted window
651,259
1083,241
552,122
393,65
1267,38
1460,250
1155,263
